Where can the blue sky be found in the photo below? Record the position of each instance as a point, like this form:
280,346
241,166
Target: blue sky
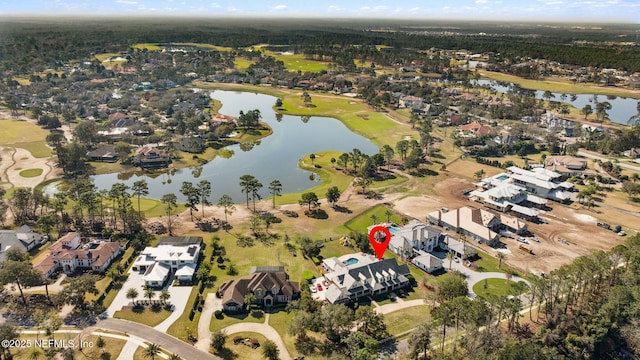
627,11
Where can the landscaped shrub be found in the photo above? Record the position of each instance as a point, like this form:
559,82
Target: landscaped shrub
218,314
237,339
255,343
307,276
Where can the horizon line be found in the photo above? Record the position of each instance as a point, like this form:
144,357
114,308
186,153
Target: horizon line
512,20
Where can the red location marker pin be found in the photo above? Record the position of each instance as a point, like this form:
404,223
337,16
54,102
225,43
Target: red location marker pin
379,245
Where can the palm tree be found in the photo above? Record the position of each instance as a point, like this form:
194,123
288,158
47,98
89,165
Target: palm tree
164,296
34,353
450,256
374,218
140,188
275,187
635,177
174,357
388,214
151,351
249,300
501,256
312,157
149,293
132,294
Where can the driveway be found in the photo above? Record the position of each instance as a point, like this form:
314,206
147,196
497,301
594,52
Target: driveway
473,277
179,298
133,281
264,329
211,304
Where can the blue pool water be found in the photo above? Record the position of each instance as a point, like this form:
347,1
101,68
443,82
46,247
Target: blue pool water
502,177
351,261
392,230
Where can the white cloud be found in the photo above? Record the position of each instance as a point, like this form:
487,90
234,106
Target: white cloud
127,2
280,7
482,1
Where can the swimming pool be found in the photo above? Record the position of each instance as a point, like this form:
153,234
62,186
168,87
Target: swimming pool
351,261
502,177
392,230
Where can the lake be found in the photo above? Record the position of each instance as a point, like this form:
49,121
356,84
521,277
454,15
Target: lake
621,108
273,157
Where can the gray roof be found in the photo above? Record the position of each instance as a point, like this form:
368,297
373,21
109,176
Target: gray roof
23,238
180,240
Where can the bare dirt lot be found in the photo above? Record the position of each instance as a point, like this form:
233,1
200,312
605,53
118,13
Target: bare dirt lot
576,226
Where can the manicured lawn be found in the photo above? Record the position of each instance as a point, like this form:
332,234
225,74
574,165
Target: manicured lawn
21,134
295,62
328,175
31,173
488,263
496,286
183,327
406,319
362,221
559,85
105,56
217,324
139,354
143,315
111,350
241,63
149,47
241,351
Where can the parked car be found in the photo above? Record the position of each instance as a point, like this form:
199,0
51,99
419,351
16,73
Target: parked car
312,289
617,229
622,233
319,287
604,225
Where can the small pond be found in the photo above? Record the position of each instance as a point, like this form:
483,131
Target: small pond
273,157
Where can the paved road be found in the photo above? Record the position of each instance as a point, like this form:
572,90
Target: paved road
473,277
261,328
167,342
596,157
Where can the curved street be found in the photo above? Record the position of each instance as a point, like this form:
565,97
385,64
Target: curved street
264,329
167,342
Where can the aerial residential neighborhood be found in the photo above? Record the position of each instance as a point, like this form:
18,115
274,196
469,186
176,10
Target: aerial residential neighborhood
367,187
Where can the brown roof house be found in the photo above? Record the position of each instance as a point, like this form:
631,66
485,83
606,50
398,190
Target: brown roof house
477,129
148,157
69,254
269,285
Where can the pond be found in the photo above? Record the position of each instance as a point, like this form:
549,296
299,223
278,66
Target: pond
621,108
273,157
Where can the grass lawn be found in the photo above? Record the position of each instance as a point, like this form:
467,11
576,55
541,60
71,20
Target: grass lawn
139,354
254,316
149,47
241,351
496,286
144,315
21,134
105,56
329,177
31,173
295,62
488,263
364,220
111,350
406,319
559,85
242,64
